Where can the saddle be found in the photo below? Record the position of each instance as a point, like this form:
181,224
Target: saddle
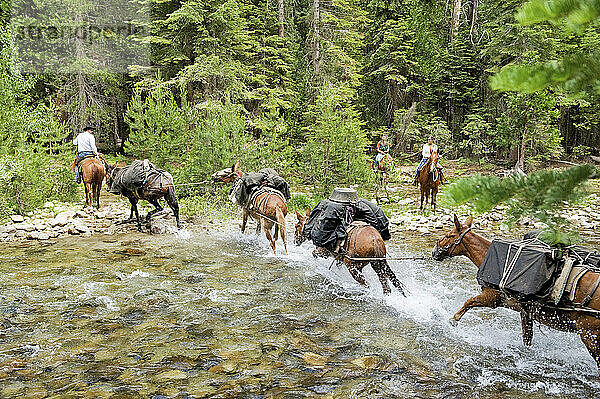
257,191
84,158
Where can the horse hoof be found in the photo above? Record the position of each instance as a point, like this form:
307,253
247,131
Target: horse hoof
453,322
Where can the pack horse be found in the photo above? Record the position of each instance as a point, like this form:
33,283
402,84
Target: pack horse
263,196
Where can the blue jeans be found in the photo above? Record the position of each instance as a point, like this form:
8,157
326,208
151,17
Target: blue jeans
80,156
421,164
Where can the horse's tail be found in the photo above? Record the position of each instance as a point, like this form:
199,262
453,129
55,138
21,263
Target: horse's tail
280,217
171,199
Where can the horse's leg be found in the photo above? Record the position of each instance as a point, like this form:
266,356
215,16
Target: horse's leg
88,192
422,197
376,265
265,225
280,225
96,189
392,276
526,328
134,209
488,298
171,199
355,273
591,340
259,224
157,208
244,219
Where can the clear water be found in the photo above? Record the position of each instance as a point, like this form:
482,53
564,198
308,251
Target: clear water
216,314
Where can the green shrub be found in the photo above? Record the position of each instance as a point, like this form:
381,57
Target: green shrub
29,180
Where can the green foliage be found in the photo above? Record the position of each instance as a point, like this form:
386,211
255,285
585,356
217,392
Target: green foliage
33,155
334,154
28,180
576,70
540,195
301,202
477,135
158,125
532,118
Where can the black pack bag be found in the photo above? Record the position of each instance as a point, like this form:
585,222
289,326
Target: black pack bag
368,212
328,222
525,270
585,256
132,177
242,189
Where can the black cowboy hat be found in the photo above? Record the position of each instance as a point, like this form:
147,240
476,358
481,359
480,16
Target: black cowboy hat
89,128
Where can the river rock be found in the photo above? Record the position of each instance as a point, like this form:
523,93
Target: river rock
17,218
24,226
62,218
314,359
367,362
48,205
171,375
43,236
73,230
9,228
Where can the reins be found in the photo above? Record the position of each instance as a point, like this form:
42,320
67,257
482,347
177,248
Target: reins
451,247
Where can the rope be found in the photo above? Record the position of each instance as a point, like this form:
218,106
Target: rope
386,258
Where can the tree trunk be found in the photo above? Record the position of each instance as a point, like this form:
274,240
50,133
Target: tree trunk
317,37
521,160
281,18
473,20
393,101
455,18
80,79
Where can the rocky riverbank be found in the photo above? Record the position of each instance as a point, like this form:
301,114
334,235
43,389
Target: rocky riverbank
584,217
57,219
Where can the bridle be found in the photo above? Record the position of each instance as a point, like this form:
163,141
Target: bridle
449,249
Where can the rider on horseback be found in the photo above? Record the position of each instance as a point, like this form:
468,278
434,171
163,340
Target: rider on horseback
86,147
428,148
383,150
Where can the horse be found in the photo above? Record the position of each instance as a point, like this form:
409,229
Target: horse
429,180
463,241
363,241
382,169
159,185
268,208
92,173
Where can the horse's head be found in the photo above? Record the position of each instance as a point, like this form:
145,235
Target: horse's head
227,175
451,244
109,170
299,236
434,161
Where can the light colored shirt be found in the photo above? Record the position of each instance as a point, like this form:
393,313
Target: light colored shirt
85,142
427,150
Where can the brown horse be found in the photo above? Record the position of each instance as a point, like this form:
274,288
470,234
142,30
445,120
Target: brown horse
429,180
92,173
363,241
462,241
382,171
268,208
159,185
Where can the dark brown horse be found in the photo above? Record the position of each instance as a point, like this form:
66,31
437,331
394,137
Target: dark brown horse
159,185
268,208
363,241
92,173
429,180
463,241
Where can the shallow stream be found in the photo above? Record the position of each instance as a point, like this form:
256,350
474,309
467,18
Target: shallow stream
216,314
